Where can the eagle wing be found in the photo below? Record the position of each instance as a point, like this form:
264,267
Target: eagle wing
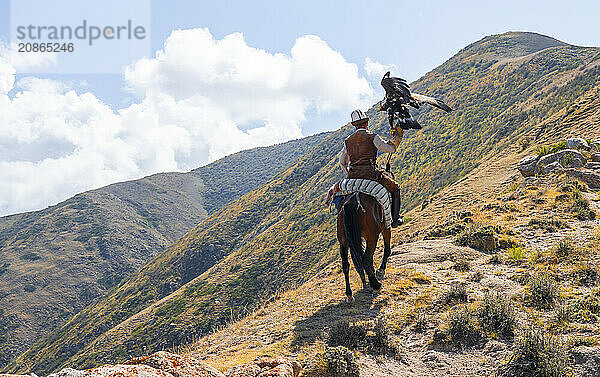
430,100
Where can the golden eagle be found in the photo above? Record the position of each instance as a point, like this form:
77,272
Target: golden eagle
397,96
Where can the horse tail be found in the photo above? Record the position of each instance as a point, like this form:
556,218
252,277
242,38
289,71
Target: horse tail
353,233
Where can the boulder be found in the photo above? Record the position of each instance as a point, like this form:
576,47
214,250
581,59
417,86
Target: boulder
177,365
596,157
586,361
527,166
267,367
568,158
593,165
68,372
578,143
121,370
590,177
554,167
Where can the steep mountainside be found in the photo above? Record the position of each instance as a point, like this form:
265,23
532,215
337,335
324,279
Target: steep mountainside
278,236
56,261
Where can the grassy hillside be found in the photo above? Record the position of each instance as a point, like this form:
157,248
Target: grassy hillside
57,261
277,237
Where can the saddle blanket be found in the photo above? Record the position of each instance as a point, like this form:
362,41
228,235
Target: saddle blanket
366,186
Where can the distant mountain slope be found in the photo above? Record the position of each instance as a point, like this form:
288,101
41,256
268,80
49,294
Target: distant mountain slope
277,236
56,261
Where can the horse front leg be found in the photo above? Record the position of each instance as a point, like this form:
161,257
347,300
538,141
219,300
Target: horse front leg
346,269
387,251
368,264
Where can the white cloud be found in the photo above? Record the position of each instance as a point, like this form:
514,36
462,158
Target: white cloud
200,99
376,70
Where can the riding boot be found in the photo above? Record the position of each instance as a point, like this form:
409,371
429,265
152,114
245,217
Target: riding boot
396,220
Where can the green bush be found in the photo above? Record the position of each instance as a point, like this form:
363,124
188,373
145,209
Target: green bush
543,291
516,254
497,315
536,354
549,149
463,330
332,362
29,288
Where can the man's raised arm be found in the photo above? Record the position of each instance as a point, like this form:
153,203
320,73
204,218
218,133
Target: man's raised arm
391,145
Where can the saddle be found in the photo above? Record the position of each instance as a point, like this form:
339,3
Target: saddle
350,186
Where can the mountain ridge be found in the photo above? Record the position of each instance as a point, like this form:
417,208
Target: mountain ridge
71,253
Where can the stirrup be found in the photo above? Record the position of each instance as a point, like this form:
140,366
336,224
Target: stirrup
397,222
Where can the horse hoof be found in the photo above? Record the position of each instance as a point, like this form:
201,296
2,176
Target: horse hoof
379,274
349,299
376,286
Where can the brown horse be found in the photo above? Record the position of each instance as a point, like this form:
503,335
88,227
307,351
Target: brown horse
361,215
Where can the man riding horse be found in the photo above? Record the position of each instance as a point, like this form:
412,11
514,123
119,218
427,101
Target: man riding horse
362,202
359,155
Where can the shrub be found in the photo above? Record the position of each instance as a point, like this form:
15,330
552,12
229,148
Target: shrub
494,259
549,149
585,274
30,256
370,336
461,266
586,308
565,249
497,315
549,225
4,267
524,143
536,354
477,276
516,254
562,314
462,327
342,333
379,342
479,237
455,294
29,288
332,362
581,208
543,291
421,321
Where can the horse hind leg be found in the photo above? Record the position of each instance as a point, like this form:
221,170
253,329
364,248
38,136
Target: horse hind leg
368,264
387,251
346,269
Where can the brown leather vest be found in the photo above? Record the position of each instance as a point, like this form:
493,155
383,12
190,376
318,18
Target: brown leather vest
362,153
360,148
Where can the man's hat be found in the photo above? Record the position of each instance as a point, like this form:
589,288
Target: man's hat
358,118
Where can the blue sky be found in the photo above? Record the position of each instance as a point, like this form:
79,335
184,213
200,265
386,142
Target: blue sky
293,69
414,36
